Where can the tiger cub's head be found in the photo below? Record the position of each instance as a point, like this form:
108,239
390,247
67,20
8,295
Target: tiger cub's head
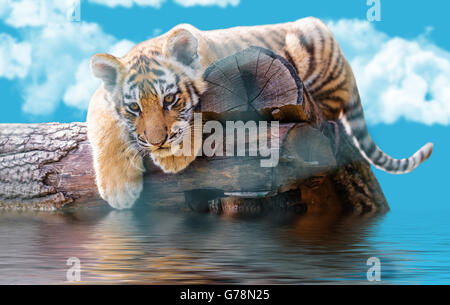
155,93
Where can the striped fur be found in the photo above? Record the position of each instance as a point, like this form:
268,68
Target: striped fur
312,50
136,86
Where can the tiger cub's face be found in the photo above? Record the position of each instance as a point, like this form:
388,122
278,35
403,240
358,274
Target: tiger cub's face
155,95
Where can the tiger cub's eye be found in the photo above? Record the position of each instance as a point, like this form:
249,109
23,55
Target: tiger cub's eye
134,106
169,98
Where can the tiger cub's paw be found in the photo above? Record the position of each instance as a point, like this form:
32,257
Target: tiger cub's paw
173,164
119,192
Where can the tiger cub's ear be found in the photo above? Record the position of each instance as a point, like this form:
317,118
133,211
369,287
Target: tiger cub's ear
107,68
182,46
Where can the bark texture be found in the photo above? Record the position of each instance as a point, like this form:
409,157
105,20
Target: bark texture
44,166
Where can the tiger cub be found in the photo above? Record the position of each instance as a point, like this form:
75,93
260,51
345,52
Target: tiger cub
146,102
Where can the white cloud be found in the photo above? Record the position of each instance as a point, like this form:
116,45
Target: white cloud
15,57
32,13
79,93
397,78
57,53
51,62
221,3
129,3
121,48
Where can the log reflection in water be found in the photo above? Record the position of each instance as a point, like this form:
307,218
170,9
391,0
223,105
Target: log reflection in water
145,246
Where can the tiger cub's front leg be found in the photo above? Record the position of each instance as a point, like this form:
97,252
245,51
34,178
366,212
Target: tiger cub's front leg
118,166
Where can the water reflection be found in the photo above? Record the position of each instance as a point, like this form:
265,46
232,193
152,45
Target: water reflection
155,247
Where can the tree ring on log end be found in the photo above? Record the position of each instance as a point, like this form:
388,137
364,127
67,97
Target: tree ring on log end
251,80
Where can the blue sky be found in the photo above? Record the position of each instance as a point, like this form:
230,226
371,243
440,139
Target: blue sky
402,64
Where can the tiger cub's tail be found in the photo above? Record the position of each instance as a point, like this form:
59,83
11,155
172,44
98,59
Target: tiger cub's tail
355,126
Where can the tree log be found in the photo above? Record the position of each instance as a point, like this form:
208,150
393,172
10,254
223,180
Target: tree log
48,166
45,166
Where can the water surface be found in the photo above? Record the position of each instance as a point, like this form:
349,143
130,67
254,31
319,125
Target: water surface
154,247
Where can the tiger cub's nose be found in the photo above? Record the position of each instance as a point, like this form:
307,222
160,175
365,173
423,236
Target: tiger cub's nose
159,143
